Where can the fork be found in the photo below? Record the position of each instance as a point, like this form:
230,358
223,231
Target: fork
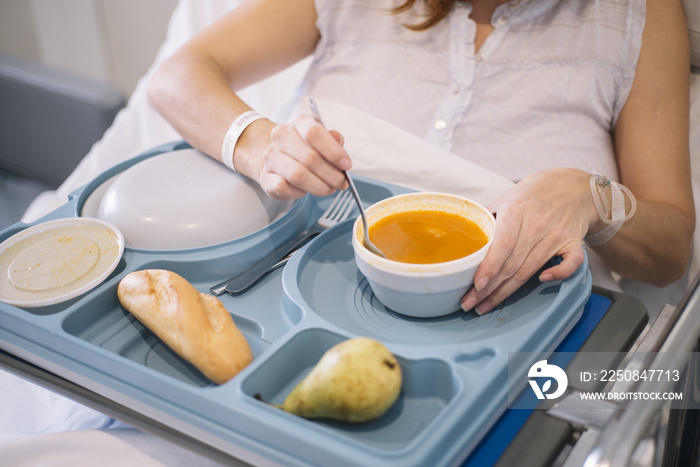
339,210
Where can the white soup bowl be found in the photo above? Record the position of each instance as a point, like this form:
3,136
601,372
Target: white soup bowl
422,290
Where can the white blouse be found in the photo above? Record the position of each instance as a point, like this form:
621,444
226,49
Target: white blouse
544,90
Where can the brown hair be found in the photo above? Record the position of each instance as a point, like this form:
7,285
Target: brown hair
437,11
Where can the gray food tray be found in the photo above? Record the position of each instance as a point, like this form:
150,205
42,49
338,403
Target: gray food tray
455,367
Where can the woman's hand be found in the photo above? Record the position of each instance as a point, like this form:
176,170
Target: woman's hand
545,215
303,157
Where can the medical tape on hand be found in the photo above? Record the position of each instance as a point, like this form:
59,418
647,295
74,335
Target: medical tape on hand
611,212
234,133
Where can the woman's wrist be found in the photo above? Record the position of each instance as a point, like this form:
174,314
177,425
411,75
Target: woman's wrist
614,204
235,130
250,147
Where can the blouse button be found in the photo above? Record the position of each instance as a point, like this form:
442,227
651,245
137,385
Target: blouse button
440,125
502,21
479,57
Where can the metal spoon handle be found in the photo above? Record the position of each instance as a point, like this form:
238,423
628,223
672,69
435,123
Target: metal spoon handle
367,243
355,195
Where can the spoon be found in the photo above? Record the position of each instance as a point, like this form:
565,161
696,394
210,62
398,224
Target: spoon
367,243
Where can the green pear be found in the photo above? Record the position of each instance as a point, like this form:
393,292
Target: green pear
356,380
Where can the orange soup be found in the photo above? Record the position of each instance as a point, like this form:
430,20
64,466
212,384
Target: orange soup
424,237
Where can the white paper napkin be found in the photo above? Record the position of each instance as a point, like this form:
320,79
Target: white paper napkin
386,152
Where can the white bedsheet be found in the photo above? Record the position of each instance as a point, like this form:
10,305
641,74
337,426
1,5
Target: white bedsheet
104,448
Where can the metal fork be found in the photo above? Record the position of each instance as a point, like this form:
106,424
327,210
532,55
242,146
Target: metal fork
339,210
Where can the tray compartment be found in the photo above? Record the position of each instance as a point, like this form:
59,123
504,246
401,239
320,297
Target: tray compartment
103,322
326,281
428,387
260,310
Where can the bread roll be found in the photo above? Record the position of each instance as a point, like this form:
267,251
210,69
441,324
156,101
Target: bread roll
193,324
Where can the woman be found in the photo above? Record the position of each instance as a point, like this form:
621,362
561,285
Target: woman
544,92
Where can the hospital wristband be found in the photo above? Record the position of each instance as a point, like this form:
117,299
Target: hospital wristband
234,132
612,212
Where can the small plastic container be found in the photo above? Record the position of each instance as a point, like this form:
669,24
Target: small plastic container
54,261
422,290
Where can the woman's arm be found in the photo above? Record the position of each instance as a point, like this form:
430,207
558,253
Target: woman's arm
652,148
549,213
194,91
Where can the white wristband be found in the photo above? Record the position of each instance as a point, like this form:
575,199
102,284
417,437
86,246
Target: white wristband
613,213
234,132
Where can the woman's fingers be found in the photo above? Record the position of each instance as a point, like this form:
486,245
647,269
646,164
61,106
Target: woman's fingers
306,157
538,219
277,187
503,285
323,141
572,258
504,256
514,273
338,137
296,176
